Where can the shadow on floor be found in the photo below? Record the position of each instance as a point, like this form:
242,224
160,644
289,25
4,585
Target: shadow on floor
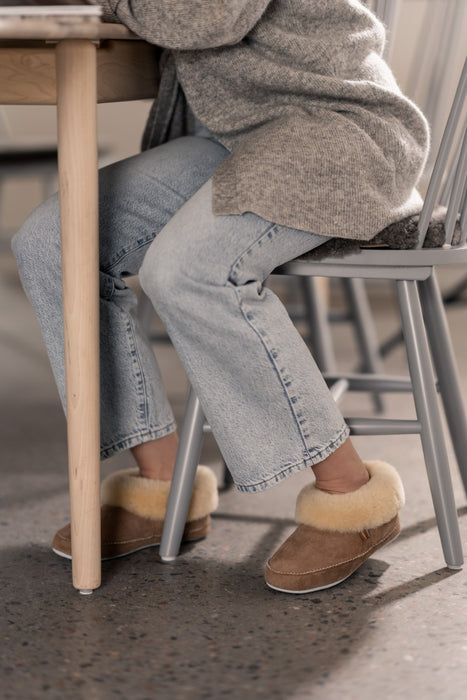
190,629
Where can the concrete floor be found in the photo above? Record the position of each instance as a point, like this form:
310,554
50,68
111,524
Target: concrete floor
206,626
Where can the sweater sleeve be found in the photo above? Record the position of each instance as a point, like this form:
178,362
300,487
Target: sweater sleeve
186,24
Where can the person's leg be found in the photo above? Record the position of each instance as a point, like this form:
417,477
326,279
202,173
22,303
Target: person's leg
342,472
156,458
137,198
264,397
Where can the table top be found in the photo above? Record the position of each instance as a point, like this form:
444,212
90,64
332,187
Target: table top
127,65
57,28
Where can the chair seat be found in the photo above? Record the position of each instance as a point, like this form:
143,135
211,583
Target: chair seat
378,263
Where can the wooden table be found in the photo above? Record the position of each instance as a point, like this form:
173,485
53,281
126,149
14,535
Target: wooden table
75,64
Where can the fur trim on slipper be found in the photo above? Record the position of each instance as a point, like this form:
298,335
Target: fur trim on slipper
148,497
370,506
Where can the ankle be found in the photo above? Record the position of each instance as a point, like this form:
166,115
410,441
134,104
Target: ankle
342,485
157,472
342,472
156,458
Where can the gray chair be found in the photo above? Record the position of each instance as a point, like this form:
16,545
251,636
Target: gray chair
426,334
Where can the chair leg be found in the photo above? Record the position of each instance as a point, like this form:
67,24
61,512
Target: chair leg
446,369
316,311
426,403
186,463
365,331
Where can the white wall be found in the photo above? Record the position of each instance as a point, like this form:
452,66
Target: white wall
429,52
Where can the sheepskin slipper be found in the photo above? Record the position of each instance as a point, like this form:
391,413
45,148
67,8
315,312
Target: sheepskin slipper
133,511
337,533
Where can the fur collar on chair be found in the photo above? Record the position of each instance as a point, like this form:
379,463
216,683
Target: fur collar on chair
400,235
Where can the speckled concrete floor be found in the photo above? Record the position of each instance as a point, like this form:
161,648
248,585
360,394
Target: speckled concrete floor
206,626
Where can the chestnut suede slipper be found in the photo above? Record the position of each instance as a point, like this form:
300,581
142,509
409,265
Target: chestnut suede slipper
133,511
337,533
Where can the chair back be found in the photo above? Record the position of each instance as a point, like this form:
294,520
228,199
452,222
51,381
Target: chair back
448,180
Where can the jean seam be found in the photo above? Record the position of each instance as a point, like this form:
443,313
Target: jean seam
125,252
248,316
137,361
236,263
108,287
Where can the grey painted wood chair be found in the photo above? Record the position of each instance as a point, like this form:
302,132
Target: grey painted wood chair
426,335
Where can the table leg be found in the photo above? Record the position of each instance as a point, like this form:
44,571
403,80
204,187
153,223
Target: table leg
78,185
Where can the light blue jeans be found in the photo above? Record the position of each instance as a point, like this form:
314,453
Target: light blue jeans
263,395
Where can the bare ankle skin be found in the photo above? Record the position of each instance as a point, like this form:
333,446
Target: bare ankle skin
341,472
156,458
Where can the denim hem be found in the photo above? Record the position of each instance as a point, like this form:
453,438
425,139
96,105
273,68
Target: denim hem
291,469
137,439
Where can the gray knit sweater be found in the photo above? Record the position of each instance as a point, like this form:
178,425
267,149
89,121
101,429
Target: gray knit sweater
320,137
